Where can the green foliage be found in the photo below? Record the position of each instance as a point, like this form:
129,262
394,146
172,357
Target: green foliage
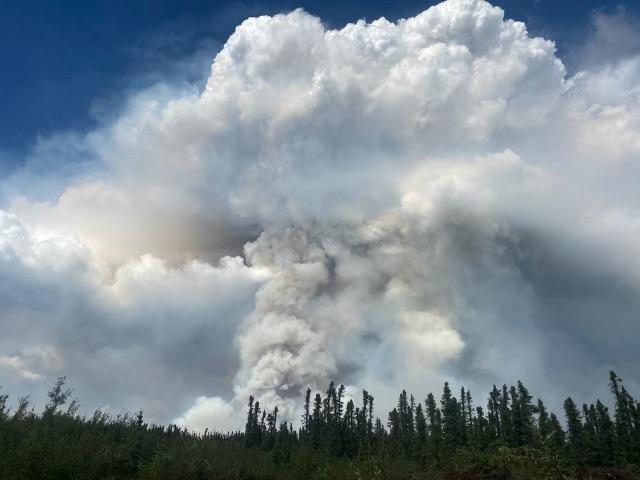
516,439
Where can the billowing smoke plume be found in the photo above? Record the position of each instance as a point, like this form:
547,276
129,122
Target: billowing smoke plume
383,205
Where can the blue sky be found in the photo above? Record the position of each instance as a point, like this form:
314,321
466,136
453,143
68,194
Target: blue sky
66,60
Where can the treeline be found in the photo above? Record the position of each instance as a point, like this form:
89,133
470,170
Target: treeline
59,443
434,431
445,438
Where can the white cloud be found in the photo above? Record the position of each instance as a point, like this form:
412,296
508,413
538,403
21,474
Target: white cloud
134,328
291,115
18,365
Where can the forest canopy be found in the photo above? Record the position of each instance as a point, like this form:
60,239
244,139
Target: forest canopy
450,436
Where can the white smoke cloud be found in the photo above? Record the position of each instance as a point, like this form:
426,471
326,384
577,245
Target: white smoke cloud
153,333
208,412
384,205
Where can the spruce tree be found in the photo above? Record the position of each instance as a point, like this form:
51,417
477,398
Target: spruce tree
370,420
557,434
248,429
393,423
450,419
380,435
317,422
522,415
363,423
421,429
606,434
338,404
574,428
349,428
306,417
282,447
506,430
462,424
483,433
493,413
623,419
544,427
470,422
256,429
434,428
590,450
